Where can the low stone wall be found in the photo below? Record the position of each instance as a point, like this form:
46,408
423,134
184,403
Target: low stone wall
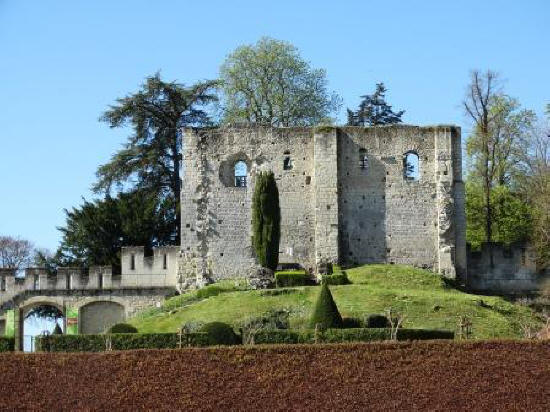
514,270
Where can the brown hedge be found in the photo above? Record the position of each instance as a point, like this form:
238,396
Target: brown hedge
493,375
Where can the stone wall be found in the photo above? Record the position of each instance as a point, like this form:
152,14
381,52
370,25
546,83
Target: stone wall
514,270
332,209
216,215
385,218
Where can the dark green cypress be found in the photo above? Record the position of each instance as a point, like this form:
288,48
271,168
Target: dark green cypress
325,312
266,220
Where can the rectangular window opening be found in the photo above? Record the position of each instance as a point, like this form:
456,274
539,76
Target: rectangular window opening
133,262
164,261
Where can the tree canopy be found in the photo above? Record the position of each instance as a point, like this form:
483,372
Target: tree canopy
96,230
151,158
373,110
269,83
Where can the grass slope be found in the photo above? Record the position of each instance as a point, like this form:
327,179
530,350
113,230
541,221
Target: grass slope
421,295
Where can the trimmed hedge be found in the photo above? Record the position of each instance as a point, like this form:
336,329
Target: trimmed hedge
288,279
122,341
220,333
338,278
377,321
351,323
122,328
325,312
281,336
7,343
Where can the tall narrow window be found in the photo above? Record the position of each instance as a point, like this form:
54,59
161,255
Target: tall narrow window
411,166
240,174
363,160
36,282
100,281
133,262
69,283
164,261
3,283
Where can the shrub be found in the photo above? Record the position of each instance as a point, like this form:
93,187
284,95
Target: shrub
220,333
349,323
377,321
122,328
338,278
57,330
192,326
123,341
7,343
288,279
209,291
325,312
346,335
266,220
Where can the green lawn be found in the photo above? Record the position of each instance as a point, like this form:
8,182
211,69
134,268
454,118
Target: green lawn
424,298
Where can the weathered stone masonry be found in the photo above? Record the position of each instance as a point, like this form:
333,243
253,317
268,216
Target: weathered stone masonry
343,198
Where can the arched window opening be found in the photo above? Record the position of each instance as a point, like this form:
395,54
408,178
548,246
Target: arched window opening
363,160
240,174
411,166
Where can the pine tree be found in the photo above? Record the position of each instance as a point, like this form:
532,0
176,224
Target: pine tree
325,312
373,110
266,220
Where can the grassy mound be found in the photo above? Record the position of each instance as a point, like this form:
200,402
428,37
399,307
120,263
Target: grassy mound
424,297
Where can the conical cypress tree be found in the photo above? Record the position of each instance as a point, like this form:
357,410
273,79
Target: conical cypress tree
57,330
325,312
266,220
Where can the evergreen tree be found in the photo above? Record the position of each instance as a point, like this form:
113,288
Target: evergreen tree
151,159
266,220
95,231
373,110
325,312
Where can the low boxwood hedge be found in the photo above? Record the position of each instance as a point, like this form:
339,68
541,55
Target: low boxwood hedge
7,343
119,341
346,335
288,279
122,328
220,333
338,278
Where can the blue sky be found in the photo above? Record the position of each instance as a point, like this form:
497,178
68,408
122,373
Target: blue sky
63,62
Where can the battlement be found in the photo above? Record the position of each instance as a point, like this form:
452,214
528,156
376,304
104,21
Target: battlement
138,271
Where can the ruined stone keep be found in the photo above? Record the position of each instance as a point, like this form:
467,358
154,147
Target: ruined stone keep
348,195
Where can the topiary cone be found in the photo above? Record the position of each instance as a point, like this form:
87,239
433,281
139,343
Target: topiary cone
325,312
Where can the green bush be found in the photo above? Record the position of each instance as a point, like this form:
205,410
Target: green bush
282,336
266,220
122,328
57,330
7,343
220,333
209,291
325,312
424,334
123,341
377,321
288,279
349,323
338,278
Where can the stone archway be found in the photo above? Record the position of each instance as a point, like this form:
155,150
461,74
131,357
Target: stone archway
23,311
96,316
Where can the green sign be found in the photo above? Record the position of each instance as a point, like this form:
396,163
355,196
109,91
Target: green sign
72,321
10,323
